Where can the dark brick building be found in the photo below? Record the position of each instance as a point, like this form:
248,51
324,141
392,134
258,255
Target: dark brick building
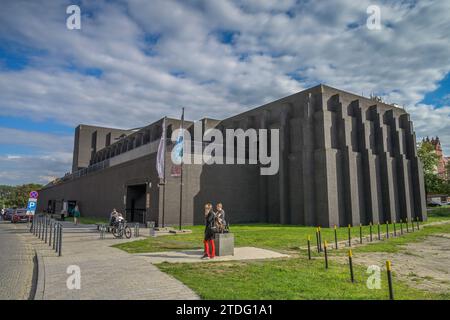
344,159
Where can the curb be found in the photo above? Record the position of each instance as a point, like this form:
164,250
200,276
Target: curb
40,285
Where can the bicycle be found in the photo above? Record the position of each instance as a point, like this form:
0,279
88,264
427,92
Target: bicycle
120,229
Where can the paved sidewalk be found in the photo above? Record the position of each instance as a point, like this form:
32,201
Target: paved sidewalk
190,256
16,263
106,272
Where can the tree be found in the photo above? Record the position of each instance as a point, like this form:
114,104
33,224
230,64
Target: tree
430,160
16,196
428,156
447,170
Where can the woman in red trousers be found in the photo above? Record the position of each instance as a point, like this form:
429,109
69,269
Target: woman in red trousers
210,250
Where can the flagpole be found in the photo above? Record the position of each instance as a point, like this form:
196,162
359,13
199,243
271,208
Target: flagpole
181,169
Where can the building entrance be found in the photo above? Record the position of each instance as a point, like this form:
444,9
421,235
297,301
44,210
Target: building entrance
136,206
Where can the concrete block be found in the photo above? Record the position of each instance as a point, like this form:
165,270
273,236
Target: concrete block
224,243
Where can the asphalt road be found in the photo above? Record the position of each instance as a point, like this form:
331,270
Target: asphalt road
16,263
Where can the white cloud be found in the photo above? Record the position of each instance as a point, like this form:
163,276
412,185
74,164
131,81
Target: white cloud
161,55
33,169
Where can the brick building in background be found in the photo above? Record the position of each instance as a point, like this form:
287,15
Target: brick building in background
441,168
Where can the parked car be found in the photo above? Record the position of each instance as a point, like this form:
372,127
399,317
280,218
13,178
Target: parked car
20,215
434,204
8,214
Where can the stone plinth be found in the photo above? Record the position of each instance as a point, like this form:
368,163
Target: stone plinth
224,243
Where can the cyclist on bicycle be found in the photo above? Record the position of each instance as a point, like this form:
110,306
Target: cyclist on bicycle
115,218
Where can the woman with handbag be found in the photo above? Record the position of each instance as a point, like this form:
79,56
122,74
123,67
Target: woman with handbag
209,233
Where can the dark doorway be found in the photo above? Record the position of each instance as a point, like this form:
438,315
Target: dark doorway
71,207
136,206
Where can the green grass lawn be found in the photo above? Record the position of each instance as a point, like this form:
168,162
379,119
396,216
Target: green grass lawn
440,213
294,278
283,238
92,220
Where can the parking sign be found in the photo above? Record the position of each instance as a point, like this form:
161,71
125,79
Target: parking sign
31,206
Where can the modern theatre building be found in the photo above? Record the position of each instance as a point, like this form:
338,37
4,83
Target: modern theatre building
343,159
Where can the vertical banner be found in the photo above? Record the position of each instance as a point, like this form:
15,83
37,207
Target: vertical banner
178,151
160,163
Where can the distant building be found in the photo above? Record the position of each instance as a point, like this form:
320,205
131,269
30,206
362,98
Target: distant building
344,159
441,168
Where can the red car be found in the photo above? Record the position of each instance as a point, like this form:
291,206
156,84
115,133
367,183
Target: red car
20,215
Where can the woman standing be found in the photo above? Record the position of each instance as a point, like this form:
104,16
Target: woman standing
76,214
209,232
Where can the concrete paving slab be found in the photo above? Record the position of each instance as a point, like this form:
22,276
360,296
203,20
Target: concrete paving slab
193,256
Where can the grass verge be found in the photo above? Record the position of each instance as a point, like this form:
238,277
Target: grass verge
92,220
294,278
283,238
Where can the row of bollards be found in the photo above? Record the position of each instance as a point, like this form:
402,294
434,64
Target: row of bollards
49,231
350,254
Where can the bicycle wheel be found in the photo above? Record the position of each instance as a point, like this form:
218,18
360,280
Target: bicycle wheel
127,232
116,232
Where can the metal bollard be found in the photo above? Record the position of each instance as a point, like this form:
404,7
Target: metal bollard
46,229
325,252
102,231
57,238
335,237
350,264
317,240
360,233
395,230
349,235
60,240
54,235
389,276
40,227
50,233
370,230
320,239
417,220
401,227
379,232
309,247
387,229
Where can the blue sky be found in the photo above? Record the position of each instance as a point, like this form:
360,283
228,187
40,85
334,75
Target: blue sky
135,61
441,96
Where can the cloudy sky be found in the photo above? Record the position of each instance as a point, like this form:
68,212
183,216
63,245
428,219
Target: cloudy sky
133,62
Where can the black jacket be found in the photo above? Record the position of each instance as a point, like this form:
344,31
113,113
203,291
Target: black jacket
209,224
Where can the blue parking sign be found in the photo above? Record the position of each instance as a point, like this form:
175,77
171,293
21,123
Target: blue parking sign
31,206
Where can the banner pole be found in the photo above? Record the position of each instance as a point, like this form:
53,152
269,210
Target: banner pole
181,169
